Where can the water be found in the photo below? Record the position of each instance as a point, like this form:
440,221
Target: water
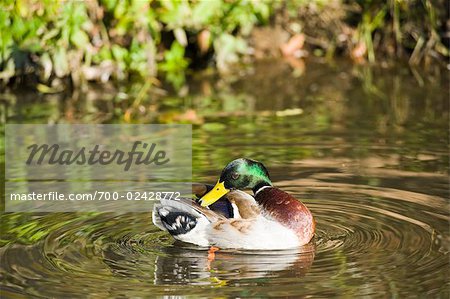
365,148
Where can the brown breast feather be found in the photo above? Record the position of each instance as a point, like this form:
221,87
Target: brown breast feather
284,208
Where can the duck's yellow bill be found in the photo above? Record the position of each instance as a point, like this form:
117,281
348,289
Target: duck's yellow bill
212,196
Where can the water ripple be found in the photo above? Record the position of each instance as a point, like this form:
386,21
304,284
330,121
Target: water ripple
368,239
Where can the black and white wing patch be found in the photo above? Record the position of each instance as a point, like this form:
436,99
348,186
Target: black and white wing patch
176,222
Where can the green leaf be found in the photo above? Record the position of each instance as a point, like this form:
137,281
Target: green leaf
119,53
60,63
79,38
204,11
174,59
47,65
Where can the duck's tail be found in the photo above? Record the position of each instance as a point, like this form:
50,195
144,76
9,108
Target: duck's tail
184,219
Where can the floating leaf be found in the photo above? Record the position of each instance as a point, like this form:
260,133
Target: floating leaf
213,127
289,112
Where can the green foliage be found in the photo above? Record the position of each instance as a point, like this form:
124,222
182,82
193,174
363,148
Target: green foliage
367,27
174,64
114,39
404,25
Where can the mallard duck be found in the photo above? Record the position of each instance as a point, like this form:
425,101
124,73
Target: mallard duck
272,219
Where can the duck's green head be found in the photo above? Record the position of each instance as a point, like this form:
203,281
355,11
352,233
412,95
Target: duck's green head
238,174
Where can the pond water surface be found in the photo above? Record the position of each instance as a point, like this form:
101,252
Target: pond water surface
365,148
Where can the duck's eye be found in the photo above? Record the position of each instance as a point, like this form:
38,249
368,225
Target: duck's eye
235,175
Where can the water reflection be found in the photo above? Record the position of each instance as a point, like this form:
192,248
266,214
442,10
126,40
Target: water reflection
365,148
181,266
